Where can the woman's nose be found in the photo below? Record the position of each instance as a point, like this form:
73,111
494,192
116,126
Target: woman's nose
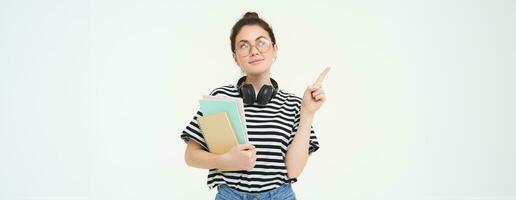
254,51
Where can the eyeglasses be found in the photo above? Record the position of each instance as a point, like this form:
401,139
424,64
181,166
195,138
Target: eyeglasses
244,48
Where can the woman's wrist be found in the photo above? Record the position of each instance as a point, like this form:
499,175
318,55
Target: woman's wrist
306,113
220,160
305,120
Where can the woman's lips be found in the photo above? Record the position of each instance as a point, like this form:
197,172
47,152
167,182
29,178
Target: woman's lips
255,62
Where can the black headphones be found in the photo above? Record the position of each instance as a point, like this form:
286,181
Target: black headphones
265,95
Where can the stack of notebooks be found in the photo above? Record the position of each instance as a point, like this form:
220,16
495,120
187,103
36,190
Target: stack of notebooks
223,123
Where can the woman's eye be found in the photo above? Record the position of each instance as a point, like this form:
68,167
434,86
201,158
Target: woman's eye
244,46
264,41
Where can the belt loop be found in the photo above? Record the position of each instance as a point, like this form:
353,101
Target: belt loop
292,180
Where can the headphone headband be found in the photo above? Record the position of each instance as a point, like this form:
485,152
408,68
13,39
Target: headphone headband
265,95
243,78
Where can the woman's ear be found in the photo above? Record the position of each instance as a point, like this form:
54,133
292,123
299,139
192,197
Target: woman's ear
275,50
234,58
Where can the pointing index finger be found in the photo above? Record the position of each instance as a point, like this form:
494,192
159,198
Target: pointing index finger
321,77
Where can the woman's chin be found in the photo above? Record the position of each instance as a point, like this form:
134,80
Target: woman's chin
256,70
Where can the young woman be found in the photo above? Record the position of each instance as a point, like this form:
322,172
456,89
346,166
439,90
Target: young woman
280,133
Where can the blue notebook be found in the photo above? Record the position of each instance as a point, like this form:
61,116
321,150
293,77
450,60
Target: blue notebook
213,106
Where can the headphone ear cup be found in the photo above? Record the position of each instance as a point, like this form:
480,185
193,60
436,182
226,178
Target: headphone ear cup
265,94
247,92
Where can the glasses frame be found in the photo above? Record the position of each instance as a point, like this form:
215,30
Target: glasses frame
269,44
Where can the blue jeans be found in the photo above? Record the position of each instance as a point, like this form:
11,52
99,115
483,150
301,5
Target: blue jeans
284,192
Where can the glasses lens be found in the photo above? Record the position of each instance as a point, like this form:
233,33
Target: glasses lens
263,45
243,49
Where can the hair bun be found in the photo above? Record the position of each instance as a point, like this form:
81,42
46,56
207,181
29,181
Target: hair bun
250,15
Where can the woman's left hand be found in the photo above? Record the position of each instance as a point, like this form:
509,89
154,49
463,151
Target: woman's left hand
314,95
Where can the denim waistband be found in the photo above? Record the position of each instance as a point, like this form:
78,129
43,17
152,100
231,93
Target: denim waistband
282,192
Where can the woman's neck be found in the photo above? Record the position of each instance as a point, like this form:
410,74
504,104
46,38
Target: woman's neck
258,81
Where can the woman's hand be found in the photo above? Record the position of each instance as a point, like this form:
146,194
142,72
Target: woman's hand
314,95
240,157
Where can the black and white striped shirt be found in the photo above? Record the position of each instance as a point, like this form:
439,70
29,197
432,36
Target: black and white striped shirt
270,129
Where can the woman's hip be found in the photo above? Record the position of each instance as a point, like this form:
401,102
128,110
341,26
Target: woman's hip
283,192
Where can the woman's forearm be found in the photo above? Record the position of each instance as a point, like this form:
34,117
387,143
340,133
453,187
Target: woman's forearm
239,157
197,157
297,153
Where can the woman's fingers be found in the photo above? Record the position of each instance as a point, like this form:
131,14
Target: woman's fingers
245,147
317,92
321,77
312,88
319,96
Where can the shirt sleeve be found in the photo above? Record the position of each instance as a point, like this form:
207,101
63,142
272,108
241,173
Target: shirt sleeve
192,131
314,143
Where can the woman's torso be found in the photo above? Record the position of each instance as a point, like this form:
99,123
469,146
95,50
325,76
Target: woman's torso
269,129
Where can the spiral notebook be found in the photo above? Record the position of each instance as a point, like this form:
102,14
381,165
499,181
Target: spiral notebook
218,133
233,107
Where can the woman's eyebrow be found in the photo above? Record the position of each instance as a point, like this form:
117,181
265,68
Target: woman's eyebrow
261,36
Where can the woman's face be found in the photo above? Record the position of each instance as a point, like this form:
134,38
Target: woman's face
254,51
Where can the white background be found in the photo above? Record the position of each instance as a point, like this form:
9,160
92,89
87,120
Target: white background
94,95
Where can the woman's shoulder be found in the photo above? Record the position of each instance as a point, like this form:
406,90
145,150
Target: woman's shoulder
289,96
232,90
227,90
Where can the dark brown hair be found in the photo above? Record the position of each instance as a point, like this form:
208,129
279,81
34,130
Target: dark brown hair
250,18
